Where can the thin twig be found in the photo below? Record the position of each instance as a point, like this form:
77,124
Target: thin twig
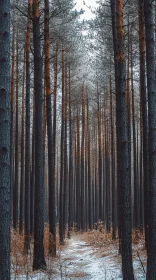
141,262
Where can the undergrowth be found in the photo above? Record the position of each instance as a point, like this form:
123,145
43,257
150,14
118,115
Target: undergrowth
100,240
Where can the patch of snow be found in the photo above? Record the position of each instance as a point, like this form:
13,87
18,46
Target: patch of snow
78,260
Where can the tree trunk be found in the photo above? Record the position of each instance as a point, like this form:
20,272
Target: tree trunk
136,205
15,195
112,164
82,160
65,197
27,139
5,121
12,120
90,216
100,157
22,183
151,88
70,214
144,101
62,158
32,172
51,167
78,174
39,260
122,152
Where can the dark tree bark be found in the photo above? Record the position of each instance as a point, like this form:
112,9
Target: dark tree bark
22,183
114,32
144,102
90,215
54,127
82,161
12,119
27,137
5,125
122,151
104,161
86,171
65,197
141,224
136,204
15,194
51,166
107,165
70,214
99,158
128,103
32,187
39,260
78,174
112,164
151,88
96,180
62,158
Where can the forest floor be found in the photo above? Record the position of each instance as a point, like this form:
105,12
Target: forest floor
86,256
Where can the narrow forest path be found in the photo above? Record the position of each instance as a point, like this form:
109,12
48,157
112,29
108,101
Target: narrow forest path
77,259
81,261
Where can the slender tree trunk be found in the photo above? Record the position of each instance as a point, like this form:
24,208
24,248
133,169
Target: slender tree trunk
114,31
136,205
12,120
151,88
70,214
100,158
86,170
15,196
45,175
78,175
65,197
5,122
143,96
128,104
90,216
54,154
104,162
141,224
122,152
32,189
39,260
22,183
112,164
82,160
62,158
51,167
107,164
27,139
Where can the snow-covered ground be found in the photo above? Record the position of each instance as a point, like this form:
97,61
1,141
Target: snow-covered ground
78,260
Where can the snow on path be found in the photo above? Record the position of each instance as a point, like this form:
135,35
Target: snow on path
86,261
78,260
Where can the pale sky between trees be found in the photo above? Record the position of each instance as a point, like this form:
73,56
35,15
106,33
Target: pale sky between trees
90,3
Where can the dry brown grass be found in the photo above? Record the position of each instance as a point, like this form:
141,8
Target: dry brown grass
100,240
138,237
21,262
49,238
104,254
78,274
97,239
17,242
